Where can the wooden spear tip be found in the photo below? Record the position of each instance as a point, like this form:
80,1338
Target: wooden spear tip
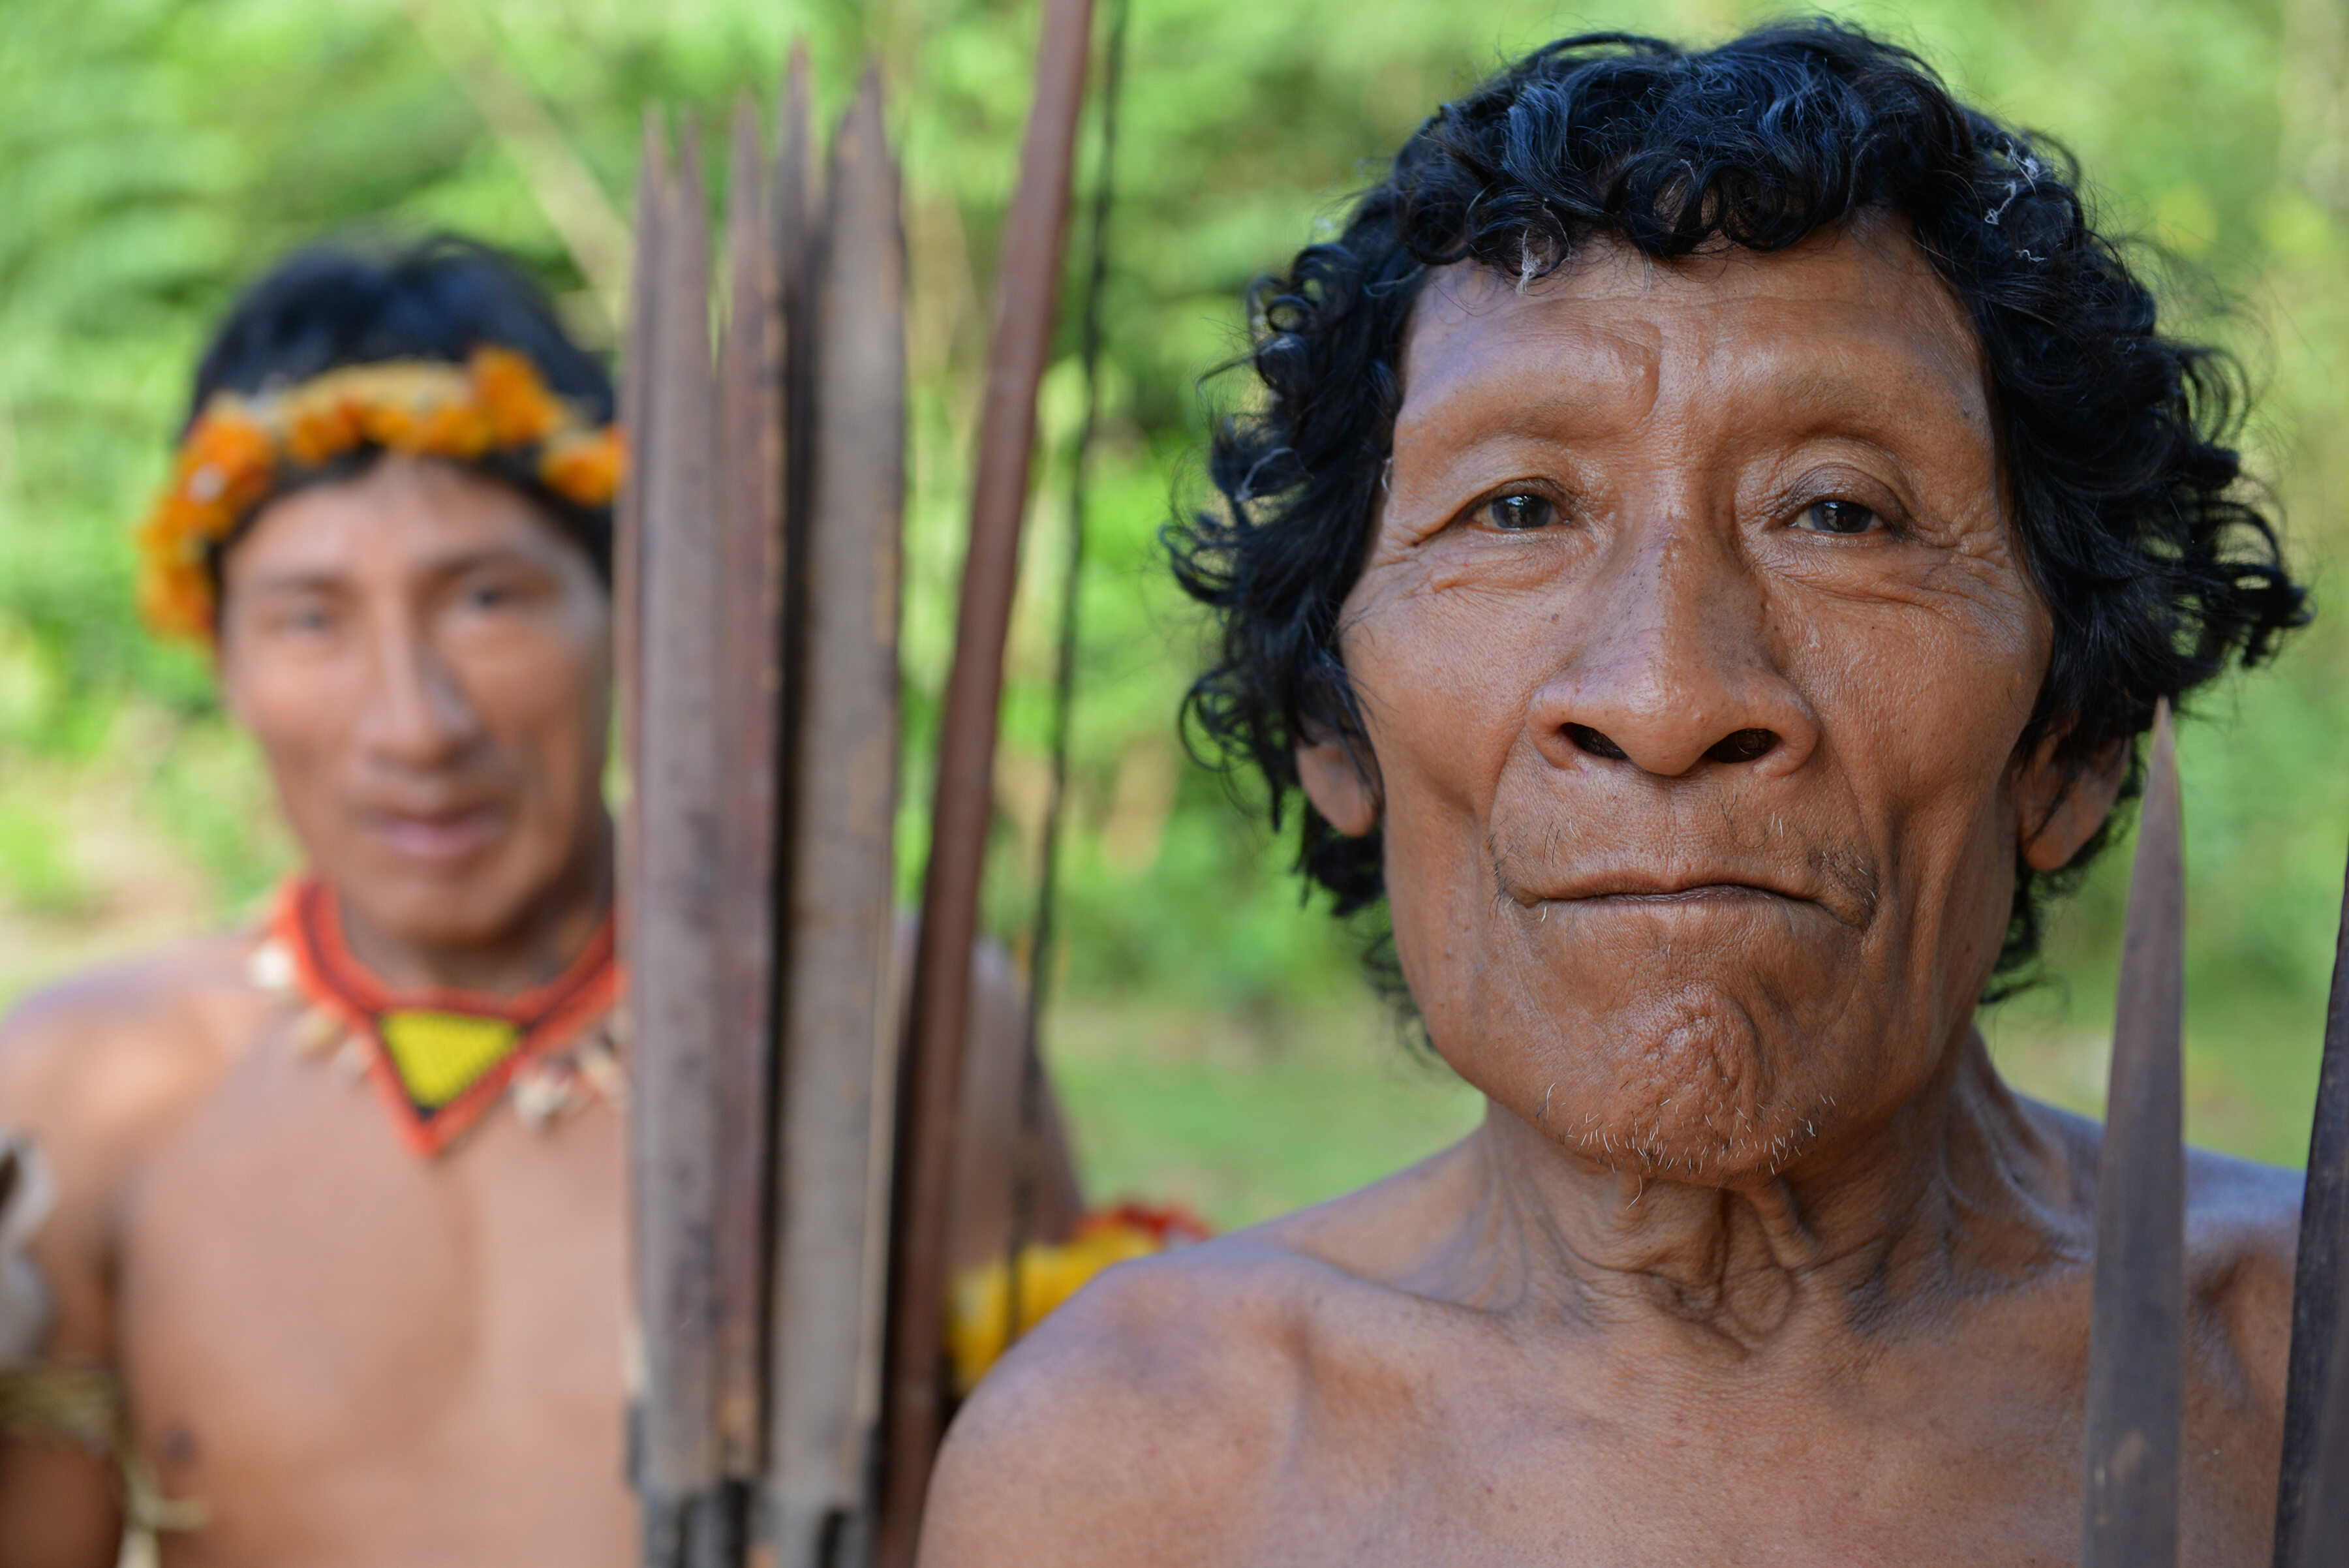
2161,791
688,151
746,171
658,159
863,126
796,110
793,121
653,172
847,142
653,182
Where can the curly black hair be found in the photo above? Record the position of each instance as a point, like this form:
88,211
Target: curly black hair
2129,501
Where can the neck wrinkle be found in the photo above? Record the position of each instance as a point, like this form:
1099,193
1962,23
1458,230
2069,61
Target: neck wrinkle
1958,1193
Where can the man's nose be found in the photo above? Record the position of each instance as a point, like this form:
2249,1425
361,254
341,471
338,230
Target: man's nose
416,713
1675,666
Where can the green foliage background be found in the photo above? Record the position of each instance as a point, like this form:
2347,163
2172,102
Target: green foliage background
1213,1039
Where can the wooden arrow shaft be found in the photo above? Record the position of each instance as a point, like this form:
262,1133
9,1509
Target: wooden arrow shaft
750,555
838,1013
702,568
2137,1326
675,965
1028,293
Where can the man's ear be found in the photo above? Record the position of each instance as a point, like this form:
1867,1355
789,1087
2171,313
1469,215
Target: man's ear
2059,813
1335,783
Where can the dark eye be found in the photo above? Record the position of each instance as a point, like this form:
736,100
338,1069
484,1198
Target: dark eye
1520,512
304,619
1836,517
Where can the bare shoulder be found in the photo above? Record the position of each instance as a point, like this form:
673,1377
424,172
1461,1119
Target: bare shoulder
2242,1238
175,998
2242,1209
106,1051
95,1070
1152,1419
2242,1217
1135,1425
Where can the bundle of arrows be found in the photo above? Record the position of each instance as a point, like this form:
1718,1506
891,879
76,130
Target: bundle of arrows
792,1127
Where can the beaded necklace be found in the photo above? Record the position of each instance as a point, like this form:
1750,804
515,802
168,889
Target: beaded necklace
442,1058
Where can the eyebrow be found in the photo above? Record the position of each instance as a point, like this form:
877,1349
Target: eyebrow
492,555
308,579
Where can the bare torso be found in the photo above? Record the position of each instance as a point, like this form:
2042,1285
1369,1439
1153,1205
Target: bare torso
342,1353
318,1329
1380,1381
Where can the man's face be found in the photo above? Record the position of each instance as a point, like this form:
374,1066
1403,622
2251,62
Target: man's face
426,661
1694,648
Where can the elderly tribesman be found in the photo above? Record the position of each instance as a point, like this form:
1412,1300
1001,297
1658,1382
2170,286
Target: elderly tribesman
1714,526
318,1230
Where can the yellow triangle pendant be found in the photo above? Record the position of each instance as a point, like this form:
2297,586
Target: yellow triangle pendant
440,1055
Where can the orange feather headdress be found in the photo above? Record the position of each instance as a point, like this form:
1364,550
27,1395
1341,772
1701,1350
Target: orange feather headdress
236,449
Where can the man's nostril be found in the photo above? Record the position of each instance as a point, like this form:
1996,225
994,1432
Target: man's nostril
1597,744
1743,746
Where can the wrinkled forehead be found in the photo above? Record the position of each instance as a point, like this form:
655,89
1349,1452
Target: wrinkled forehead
1850,328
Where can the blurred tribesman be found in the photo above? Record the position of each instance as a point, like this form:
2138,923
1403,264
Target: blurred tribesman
311,1238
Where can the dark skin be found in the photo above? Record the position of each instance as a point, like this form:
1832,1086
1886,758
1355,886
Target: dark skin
350,1356
1694,648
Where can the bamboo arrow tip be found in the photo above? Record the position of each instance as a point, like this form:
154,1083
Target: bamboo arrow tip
656,135
2162,815
795,110
867,111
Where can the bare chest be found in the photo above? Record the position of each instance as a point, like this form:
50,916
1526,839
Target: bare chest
351,1354
1964,1453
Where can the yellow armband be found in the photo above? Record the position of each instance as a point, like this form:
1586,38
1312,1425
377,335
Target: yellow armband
80,1405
